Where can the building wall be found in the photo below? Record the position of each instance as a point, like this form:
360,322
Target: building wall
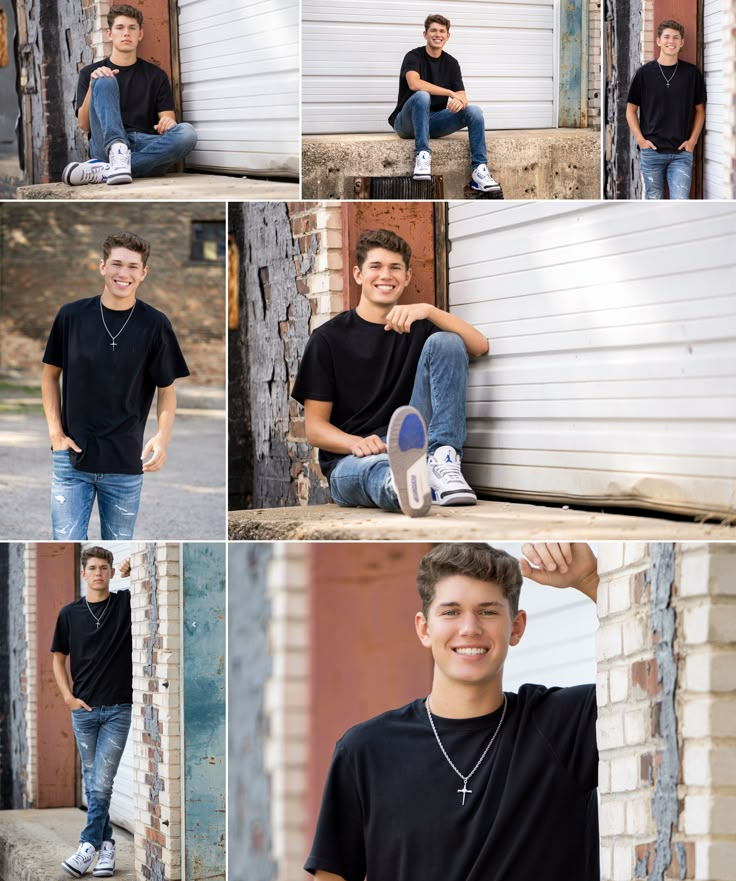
594,64
50,256
667,718
729,92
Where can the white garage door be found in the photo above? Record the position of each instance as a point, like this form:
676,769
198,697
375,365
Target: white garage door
352,53
239,62
612,363
713,171
121,806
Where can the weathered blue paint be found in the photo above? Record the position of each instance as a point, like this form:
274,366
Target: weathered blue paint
203,573
573,83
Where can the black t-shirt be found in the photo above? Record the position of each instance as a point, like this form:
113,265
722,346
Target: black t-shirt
101,659
106,393
364,370
666,112
443,71
391,810
144,92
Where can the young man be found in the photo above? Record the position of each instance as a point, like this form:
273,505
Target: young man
470,783
669,95
125,106
432,103
94,632
361,369
112,351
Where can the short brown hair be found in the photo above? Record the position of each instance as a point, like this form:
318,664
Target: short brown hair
672,25
436,19
381,238
98,553
475,560
124,10
127,240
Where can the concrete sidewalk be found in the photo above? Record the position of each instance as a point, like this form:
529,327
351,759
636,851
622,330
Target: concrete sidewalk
33,845
487,521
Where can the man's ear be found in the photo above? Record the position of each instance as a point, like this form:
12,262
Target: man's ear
102,267
112,574
518,627
144,273
420,622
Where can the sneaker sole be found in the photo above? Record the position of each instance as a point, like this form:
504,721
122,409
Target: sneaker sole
115,180
407,458
474,186
456,497
71,871
422,177
104,873
66,173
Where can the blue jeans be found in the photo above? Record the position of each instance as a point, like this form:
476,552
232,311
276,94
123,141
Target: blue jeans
101,734
151,155
73,494
416,121
675,168
440,387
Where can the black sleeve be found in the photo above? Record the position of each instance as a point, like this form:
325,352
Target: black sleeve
634,96
315,379
166,363
54,352
339,842
410,62
82,86
457,78
700,93
60,642
567,721
164,99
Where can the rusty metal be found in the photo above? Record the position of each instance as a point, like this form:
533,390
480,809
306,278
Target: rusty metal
441,276
470,193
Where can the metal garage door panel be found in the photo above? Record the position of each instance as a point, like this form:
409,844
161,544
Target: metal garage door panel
352,55
240,84
121,804
613,351
713,171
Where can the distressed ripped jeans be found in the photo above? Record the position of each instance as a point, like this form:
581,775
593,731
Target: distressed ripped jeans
674,168
73,494
101,735
150,154
440,387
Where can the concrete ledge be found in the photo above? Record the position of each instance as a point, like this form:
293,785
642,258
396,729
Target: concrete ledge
529,164
171,187
33,845
486,521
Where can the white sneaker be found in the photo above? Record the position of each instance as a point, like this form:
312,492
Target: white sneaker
79,862
407,458
481,179
423,166
449,487
106,862
94,171
119,157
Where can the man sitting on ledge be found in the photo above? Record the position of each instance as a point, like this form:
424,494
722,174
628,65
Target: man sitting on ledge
126,107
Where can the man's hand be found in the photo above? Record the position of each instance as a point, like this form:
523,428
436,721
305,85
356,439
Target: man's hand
124,568
645,144
74,703
158,448
401,318
64,442
103,71
369,446
562,565
689,146
164,124
455,103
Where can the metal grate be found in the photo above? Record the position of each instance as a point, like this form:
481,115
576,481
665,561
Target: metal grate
399,188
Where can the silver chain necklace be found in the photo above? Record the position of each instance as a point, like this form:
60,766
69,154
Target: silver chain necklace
465,791
98,620
668,81
113,338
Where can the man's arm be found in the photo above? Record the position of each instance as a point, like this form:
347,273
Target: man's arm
698,123
562,565
632,117
166,120
401,318
62,681
51,398
165,413
417,84
323,434
327,876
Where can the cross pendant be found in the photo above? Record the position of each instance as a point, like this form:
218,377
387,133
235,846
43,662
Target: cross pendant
465,791
113,345
98,625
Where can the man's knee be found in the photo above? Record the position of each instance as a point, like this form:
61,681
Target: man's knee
105,84
473,113
186,135
447,345
422,98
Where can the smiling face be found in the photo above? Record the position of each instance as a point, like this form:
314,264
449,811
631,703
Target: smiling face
469,629
436,36
670,45
123,272
383,277
97,573
125,35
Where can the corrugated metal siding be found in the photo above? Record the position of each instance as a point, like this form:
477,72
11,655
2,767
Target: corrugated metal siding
612,331
713,172
352,54
239,63
121,805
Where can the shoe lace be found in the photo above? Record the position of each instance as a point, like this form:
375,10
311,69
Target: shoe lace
119,159
450,470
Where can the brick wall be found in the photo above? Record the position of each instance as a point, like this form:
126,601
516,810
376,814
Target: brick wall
28,679
667,728
157,721
647,31
96,16
51,253
594,64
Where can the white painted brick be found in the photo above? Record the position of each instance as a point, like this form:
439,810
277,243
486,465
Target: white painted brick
710,671
293,634
619,683
694,571
606,861
602,601
707,623
637,726
623,863
601,688
619,594
613,820
715,859
610,556
608,640
604,776
709,815
639,816
636,634
625,773
635,552
610,731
